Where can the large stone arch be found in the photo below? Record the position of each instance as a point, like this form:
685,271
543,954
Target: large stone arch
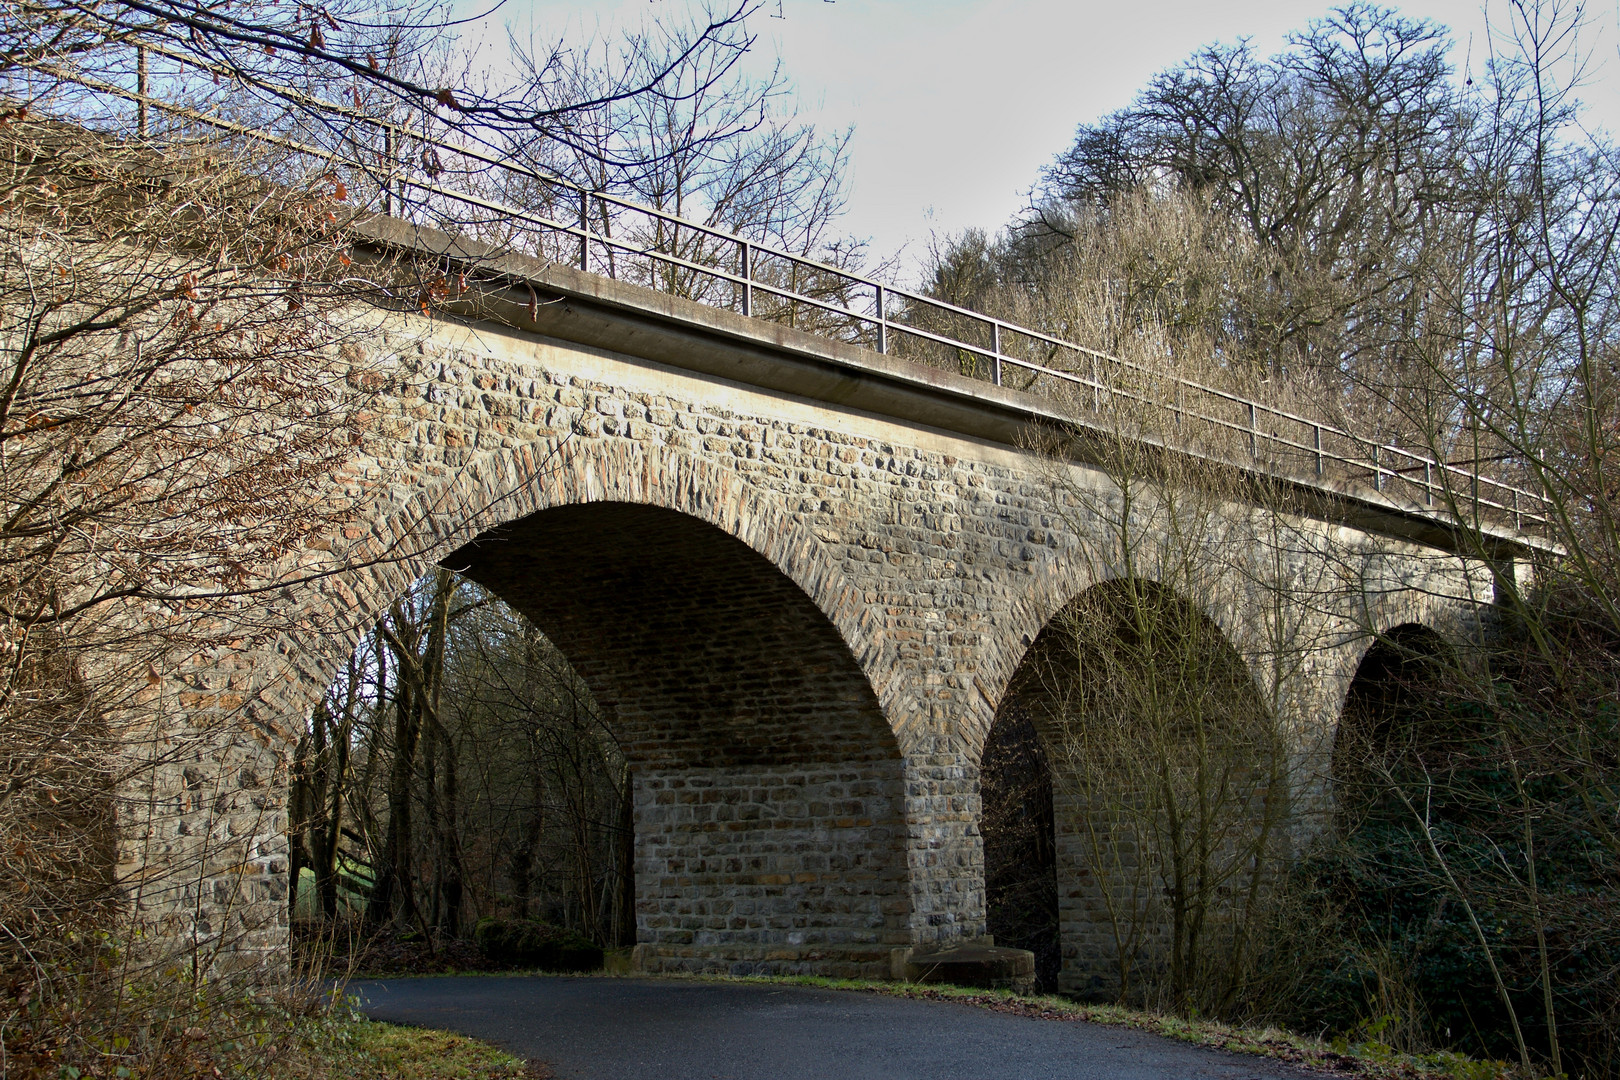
769,794
831,887
398,543
1451,619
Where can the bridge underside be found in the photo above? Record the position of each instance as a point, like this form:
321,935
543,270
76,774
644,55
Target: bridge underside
770,827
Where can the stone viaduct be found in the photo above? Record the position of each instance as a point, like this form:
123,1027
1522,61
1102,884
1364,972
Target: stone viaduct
798,575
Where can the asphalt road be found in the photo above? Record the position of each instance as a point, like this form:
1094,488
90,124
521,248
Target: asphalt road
634,1029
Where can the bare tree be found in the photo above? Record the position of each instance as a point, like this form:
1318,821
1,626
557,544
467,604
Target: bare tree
719,149
478,754
262,55
1486,778
181,363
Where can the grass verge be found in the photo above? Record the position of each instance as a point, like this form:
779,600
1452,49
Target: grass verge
1346,1057
360,1049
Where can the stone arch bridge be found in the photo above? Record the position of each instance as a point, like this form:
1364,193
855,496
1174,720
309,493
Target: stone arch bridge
799,576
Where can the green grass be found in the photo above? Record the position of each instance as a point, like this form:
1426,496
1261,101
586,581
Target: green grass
1344,1057
360,1049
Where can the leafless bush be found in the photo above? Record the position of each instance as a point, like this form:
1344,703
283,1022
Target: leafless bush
176,377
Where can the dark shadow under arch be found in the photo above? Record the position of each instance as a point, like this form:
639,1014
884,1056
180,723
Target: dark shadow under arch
769,795
1122,688
664,613
1395,715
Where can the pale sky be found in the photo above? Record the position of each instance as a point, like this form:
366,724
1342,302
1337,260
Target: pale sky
956,104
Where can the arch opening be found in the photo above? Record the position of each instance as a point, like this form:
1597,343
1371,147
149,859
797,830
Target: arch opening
1020,852
727,728
1395,717
1168,795
1436,809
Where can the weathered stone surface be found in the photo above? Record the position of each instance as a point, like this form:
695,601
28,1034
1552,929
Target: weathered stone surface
973,964
801,616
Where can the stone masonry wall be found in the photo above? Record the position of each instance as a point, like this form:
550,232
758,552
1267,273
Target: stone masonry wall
771,871
844,599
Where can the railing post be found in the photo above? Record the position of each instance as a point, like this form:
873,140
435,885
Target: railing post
1096,387
1517,524
882,321
140,89
995,353
1428,482
1318,429
1254,433
388,180
1378,472
584,230
748,278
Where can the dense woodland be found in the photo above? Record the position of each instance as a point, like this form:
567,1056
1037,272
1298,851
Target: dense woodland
1358,228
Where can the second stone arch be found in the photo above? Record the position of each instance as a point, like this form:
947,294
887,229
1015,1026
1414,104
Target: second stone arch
1135,799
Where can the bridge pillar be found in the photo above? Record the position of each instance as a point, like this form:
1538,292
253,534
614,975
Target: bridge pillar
787,869
945,853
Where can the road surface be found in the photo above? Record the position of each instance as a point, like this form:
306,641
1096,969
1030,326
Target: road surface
648,1029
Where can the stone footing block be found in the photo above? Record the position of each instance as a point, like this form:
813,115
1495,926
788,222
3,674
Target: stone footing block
972,964
832,963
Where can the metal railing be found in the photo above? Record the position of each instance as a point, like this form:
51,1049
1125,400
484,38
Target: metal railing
527,210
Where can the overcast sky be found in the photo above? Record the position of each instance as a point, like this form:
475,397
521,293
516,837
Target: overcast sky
956,104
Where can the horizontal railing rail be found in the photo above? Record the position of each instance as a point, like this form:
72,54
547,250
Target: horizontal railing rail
621,238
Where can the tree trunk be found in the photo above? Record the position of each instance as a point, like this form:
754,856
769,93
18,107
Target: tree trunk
521,866
626,930
297,819
452,883
326,857
392,899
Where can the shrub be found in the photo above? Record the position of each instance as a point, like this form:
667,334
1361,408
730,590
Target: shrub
528,943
